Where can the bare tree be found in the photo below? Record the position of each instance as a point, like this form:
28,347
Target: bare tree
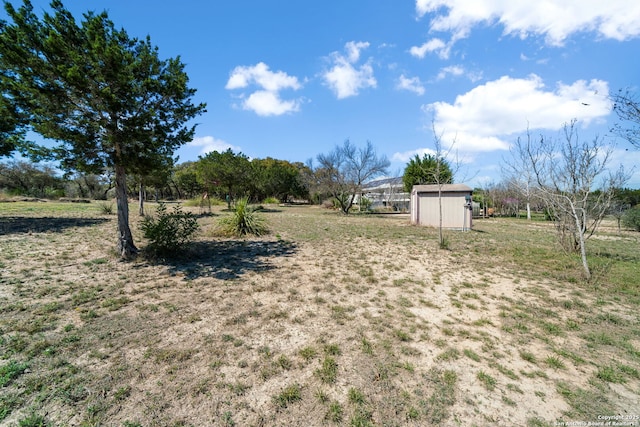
343,171
438,177
393,195
572,184
518,170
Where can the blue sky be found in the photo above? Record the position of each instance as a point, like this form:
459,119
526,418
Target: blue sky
291,79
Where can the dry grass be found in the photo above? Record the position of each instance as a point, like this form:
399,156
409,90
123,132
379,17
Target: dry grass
329,320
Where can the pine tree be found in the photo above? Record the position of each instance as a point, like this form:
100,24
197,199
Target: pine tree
107,98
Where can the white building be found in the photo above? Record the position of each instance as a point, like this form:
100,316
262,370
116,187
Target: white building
387,193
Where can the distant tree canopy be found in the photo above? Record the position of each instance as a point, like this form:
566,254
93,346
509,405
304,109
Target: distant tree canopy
230,176
278,178
627,196
29,179
185,180
106,98
426,170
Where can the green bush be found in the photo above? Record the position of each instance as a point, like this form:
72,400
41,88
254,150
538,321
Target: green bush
271,201
365,203
197,202
170,231
631,218
244,221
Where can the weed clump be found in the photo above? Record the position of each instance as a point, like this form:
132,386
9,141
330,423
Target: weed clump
106,208
11,371
289,395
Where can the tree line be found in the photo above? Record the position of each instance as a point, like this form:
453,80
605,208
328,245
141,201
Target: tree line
259,179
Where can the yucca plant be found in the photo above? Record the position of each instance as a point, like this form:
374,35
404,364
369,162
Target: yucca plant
244,221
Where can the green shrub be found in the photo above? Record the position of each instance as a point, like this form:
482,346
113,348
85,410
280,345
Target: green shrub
170,231
197,202
631,218
365,203
243,221
271,201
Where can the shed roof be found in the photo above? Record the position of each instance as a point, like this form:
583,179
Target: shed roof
449,188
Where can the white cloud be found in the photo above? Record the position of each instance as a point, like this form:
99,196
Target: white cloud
265,101
261,75
434,45
344,77
555,20
412,84
404,157
210,143
453,70
353,50
484,118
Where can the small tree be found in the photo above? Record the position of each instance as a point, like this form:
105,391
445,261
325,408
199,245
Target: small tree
518,171
343,171
571,184
436,170
441,178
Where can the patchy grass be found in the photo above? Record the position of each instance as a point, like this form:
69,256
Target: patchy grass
329,320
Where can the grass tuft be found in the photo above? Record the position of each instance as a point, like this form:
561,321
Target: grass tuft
289,395
328,372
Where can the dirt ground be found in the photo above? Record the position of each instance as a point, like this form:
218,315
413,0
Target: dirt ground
328,320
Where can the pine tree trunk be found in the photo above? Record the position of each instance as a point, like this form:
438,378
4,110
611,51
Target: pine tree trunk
126,248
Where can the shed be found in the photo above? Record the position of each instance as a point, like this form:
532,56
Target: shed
456,206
